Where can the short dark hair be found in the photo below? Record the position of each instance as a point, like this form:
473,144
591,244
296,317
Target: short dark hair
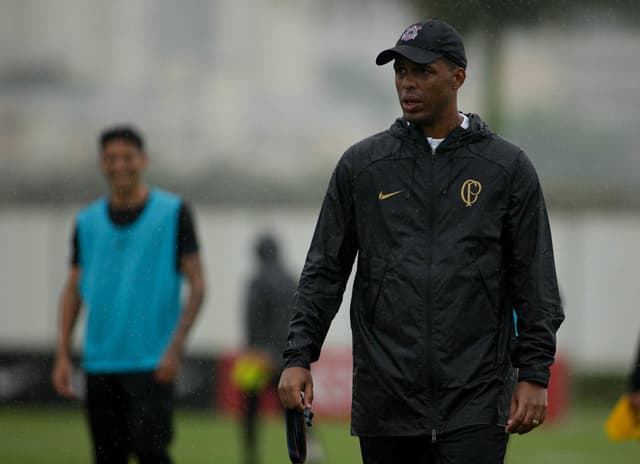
450,63
122,132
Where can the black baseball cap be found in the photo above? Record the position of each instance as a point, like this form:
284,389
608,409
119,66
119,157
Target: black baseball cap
425,42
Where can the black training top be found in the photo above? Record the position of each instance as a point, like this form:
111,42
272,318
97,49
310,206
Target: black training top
187,239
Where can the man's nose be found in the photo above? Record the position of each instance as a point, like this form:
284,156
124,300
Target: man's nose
118,164
407,82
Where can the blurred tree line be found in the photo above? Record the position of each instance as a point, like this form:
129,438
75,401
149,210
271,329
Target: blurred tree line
490,20
584,164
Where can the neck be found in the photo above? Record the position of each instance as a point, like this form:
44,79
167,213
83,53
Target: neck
130,198
441,128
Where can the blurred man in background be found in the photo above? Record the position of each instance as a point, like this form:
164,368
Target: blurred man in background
131,250
267,315
449,225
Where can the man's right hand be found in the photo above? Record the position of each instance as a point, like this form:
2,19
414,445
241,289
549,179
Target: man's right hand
61,377
293,381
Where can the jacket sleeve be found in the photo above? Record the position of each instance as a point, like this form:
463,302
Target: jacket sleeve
325,273
532,275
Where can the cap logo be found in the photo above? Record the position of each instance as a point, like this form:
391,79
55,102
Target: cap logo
410,33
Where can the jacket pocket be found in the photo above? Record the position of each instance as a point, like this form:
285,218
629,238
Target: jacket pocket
490,276
491,280
488,289
377,272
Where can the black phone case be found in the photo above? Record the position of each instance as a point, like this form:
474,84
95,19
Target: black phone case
296,436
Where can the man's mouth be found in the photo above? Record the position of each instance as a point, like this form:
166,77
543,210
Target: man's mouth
410,103
122,179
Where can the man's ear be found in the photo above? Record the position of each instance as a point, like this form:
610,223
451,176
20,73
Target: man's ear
459,76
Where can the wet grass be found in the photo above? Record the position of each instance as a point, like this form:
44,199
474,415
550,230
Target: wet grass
52,436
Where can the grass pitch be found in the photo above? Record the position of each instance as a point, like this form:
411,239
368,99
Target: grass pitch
56,436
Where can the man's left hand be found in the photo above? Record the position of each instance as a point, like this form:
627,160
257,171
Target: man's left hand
528,407
167,370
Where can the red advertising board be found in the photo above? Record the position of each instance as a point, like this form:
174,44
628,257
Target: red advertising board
331,381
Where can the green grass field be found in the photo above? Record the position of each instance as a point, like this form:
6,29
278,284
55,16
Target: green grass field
56,436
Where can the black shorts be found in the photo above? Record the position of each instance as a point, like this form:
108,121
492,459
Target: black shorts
129,414
478,444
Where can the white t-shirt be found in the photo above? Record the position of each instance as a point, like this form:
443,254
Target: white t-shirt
435,142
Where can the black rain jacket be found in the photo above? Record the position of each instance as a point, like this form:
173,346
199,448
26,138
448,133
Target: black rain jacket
448,244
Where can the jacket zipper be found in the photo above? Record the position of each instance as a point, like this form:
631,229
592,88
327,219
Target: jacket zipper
430,348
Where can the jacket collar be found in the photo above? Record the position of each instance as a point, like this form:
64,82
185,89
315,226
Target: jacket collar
457,138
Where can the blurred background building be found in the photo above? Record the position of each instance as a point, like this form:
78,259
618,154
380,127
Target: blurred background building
247,106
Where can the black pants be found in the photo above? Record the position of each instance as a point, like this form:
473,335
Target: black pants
250,421
252,402
479,444
129,414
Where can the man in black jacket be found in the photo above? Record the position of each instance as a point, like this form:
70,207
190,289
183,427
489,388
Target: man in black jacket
451,234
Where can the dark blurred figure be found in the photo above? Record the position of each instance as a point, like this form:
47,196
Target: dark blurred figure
267,315
634,383
269,298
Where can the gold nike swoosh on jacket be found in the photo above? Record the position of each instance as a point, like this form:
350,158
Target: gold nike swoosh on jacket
384,196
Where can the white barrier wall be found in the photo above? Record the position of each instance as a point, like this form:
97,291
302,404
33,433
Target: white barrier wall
596,254
35,248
